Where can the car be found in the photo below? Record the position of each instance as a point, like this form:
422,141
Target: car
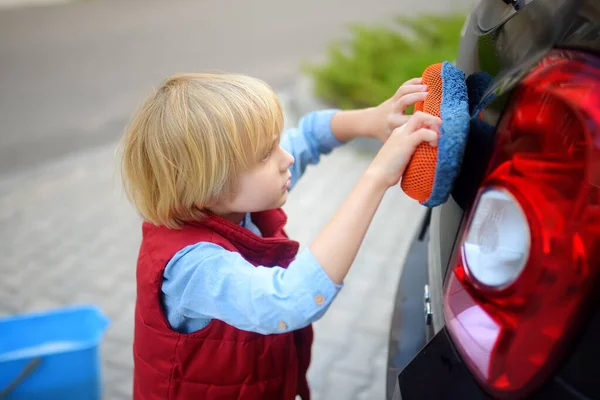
500,293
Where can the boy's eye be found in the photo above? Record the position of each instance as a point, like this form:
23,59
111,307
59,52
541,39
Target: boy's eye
266,156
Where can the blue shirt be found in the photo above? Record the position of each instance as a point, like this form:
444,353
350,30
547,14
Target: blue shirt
204,281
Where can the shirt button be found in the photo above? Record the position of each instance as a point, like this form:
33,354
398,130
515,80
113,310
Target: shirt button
282,325
320,299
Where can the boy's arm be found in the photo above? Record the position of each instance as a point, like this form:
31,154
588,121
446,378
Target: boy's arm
205,281
309,140
348,125
321,131
336,246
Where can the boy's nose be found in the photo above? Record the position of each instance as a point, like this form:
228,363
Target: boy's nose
288,160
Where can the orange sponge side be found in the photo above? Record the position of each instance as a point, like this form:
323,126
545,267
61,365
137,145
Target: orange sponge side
418,178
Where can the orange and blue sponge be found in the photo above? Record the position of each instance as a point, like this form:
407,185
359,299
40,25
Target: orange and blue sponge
431,172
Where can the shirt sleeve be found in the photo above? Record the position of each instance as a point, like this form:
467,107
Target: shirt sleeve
309,140
204,281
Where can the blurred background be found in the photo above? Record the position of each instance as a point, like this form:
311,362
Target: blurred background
73,72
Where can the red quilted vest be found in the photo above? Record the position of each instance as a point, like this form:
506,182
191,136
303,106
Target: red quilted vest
219,361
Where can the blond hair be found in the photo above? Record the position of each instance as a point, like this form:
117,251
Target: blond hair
190,141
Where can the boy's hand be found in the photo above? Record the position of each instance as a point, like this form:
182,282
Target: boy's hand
390,162
379,122
389,115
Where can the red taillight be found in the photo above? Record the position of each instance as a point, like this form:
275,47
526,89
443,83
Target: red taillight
530,253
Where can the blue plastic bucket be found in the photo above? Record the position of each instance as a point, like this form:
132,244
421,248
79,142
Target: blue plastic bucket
53,355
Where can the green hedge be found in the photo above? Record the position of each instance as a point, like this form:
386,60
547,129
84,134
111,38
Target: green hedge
368,68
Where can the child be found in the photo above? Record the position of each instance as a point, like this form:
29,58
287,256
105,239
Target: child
224,303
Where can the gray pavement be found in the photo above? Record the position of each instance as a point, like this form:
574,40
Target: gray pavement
71,75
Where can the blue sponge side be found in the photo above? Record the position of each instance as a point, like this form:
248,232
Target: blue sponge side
453,133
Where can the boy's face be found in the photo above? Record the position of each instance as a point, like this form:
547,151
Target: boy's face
264,187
